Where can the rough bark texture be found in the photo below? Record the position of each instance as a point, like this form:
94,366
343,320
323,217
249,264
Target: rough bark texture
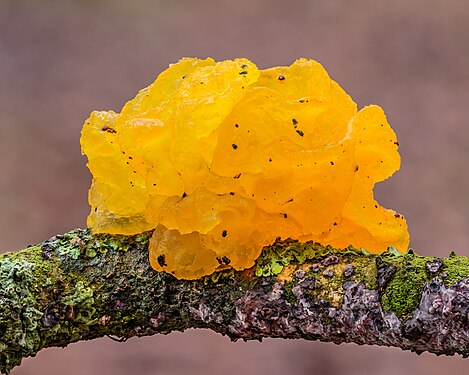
80,286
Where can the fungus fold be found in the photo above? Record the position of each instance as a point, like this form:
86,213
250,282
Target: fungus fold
221,158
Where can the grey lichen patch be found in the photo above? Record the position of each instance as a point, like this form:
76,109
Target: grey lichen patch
19,335
50,292
45,273
441,317
82,242
81,304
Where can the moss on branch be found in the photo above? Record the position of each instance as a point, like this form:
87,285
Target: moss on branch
80,286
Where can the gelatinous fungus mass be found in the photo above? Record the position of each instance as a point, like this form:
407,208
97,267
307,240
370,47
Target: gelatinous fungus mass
221,158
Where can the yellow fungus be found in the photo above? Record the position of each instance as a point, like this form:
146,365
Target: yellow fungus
220,158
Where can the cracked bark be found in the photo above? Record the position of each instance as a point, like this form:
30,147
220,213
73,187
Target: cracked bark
80,286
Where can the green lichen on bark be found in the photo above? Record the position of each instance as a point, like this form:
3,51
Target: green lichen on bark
454,269
80,286
403,278
17,306
51,293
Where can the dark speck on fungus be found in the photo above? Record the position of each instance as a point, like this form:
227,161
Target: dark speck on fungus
161,260
108,129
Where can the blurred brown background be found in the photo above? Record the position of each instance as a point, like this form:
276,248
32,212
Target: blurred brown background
61,59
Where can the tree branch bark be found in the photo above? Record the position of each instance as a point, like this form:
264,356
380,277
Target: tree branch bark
81,286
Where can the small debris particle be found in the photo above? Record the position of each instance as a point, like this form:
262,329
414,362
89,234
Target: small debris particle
281,78
385,272
300,133
224,233
78,242
235,146
434,266
70,313
328,273
223,260
299,274
120,305
349,270
50,318
315,268
330,260
104,320
308,283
